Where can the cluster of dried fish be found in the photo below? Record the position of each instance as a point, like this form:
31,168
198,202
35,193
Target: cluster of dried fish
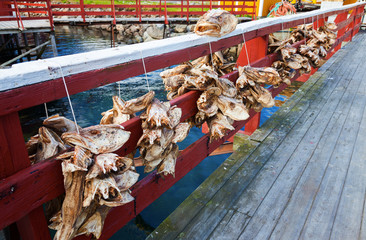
199,74
161,132
249,85
222,62
325,36
216,23
48,142
95,180
116,115
161,129
294,60
308,55
285,72
320,41
275,44
219,103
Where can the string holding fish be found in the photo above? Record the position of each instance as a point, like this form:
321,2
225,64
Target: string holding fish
288,33
209,44
305,31
143,64
45,109
119,89
246,49
68,96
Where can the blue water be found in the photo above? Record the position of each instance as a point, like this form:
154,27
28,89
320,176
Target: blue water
90,104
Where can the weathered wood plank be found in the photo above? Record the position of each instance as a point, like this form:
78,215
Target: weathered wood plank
363,220
289,224
324,207
320,219
347,223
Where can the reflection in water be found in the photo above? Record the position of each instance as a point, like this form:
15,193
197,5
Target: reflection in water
90,104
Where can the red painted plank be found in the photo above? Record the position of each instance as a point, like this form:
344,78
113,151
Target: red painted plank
34,226
14,157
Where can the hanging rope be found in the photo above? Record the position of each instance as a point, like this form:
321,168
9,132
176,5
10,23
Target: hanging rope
281,9
282,29
119,89
68,97
46,110
246,49
305,31
143,64
209,44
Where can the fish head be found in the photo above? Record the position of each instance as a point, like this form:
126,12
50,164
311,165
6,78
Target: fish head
60,124
215,23
99,138
49,144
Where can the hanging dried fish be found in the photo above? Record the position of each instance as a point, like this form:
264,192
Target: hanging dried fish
95,180
138,104
60,124
216,23
48,144
266,75
115,115
207,102
98,139
156,114
233,108
219,126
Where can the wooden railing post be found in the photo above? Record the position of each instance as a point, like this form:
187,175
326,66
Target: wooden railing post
351,24
114,14
187,10
13,158
340,18
82,9
360,13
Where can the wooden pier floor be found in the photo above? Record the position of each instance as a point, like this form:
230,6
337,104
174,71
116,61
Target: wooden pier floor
8,27
302,175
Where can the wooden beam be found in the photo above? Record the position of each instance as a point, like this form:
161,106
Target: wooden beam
14,157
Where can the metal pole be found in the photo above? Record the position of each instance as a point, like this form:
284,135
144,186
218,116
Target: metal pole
24,54
53,44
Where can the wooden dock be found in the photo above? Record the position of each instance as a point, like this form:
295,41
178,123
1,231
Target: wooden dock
9,27
300,176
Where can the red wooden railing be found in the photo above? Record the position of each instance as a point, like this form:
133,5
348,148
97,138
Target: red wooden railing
166,8
24,187
27,9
